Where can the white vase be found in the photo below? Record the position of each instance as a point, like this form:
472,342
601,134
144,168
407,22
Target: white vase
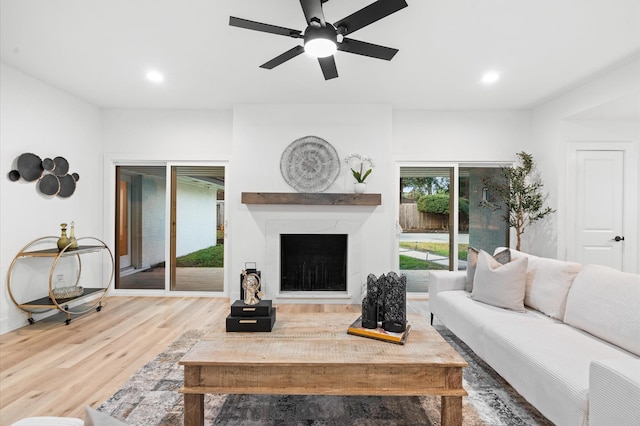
359,187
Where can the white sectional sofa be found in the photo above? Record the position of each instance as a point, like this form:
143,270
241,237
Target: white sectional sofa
573,352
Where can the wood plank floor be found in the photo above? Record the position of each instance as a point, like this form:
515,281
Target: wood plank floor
53,369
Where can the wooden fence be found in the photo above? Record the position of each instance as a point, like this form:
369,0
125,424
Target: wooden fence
412,220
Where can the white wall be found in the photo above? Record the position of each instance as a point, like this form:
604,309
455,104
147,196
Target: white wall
261,134
40,119
170,135
196,206
459,136
554,126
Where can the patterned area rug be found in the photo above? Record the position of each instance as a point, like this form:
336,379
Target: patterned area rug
150,397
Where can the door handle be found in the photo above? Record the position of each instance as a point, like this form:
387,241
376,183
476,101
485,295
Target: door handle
618,238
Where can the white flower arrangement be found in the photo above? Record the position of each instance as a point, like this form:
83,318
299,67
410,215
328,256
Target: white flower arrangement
364,166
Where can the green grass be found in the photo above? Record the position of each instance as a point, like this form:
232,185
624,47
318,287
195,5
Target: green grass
211,257
413,264
438,248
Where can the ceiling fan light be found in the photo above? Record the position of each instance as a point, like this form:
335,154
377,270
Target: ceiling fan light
320,42
320,47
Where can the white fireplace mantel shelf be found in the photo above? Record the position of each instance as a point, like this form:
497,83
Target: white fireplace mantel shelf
314,198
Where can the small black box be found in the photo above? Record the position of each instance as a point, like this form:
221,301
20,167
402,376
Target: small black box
241,309
264,323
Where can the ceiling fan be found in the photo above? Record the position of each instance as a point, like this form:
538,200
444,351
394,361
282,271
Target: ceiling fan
322,39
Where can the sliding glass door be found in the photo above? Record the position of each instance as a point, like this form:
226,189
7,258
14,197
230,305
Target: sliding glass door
432,238
197,228
195,244
140,227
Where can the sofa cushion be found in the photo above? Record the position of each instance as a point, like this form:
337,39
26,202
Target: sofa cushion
548,284
467,318
606,303
548,364
502,256
500,285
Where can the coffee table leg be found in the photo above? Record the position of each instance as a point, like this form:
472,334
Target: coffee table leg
451,411
193,409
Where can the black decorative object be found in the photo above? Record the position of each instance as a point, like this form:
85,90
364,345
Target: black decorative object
385,303
61,166
395,303
30,167
67,186
52,176
14,175
48,164
369,313
49,184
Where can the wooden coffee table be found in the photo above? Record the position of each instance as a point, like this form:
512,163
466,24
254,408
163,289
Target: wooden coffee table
312,354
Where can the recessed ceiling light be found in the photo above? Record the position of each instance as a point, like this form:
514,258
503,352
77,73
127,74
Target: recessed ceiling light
155,76
490,77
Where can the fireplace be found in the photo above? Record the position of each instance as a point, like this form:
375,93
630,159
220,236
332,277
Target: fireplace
313,262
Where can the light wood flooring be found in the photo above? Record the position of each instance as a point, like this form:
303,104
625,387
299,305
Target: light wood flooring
52,369
187,279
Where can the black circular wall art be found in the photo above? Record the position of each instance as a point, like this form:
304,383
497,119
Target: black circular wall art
48,164
52,176
67,186
30,167
62,166
49,184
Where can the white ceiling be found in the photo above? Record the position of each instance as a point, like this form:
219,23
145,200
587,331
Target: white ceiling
100,50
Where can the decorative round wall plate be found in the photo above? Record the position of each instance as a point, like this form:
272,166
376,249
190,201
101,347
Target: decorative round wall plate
310,164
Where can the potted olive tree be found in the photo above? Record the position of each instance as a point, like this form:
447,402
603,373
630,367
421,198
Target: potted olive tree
518,193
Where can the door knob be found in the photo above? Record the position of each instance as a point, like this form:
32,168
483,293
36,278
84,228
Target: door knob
618,238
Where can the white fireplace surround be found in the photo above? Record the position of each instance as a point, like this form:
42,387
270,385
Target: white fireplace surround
271,276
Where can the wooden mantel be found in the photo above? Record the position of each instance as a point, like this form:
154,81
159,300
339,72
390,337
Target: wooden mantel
316,199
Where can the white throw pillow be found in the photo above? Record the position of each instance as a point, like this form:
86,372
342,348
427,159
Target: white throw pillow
606,303
503,256
548,283
500,285
96,418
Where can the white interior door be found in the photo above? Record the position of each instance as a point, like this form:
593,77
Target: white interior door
598,182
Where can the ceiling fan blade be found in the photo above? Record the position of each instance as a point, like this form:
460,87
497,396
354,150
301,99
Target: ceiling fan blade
328,66
289,54
265,28
368,15
367,49
313,9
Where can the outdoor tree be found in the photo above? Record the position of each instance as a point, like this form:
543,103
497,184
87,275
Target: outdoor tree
518,193
420,186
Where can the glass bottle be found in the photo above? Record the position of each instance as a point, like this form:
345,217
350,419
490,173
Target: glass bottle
72,237
63,241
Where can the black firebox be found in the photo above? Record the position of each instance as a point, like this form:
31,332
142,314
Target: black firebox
313,262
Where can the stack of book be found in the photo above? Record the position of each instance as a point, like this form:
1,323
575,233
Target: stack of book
258,317
379,333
